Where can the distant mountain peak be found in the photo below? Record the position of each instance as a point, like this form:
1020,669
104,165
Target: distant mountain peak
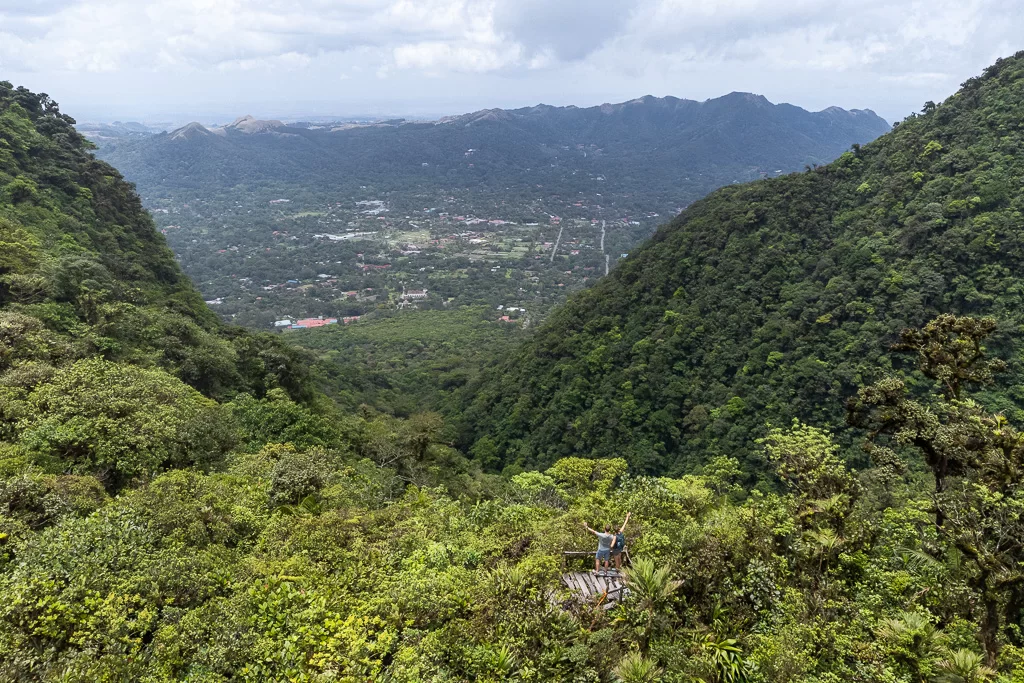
737,96
191,131
484,115
684,143
251,125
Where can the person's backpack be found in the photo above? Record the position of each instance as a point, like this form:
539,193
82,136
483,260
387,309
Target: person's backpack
620,541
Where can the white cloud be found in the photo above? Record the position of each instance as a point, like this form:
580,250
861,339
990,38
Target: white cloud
111,34
589,46
481,35
435,57
565,29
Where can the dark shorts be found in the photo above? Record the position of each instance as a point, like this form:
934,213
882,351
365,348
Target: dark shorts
603,555
616,551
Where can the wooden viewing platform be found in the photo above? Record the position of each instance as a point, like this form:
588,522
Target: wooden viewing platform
588,587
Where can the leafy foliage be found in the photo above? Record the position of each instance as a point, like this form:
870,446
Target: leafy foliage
407,362
117,421
373,552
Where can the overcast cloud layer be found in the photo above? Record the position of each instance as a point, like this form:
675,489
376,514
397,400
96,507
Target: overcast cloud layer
213,59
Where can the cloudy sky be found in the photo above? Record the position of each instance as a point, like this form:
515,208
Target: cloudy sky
175,60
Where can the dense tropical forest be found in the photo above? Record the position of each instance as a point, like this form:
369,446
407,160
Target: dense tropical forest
179,501
776,299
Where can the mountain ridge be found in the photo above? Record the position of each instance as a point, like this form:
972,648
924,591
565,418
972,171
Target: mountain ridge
248,120
665,102
674,150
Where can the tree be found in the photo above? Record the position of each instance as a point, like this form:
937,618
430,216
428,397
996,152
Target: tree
949,350
976,458
806,459
915,641
119,421
277,419
964,666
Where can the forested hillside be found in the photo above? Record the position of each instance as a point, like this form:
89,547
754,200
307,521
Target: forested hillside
776,299
83,272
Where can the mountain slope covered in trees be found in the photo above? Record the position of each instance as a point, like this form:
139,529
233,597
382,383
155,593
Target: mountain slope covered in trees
649,145
776,299
109,359
84,273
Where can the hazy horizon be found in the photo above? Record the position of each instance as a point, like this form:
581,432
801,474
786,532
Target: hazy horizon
172,119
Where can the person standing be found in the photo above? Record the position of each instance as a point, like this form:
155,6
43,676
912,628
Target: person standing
620,544
604,546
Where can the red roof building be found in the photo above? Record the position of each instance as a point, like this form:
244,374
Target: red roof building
309,323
